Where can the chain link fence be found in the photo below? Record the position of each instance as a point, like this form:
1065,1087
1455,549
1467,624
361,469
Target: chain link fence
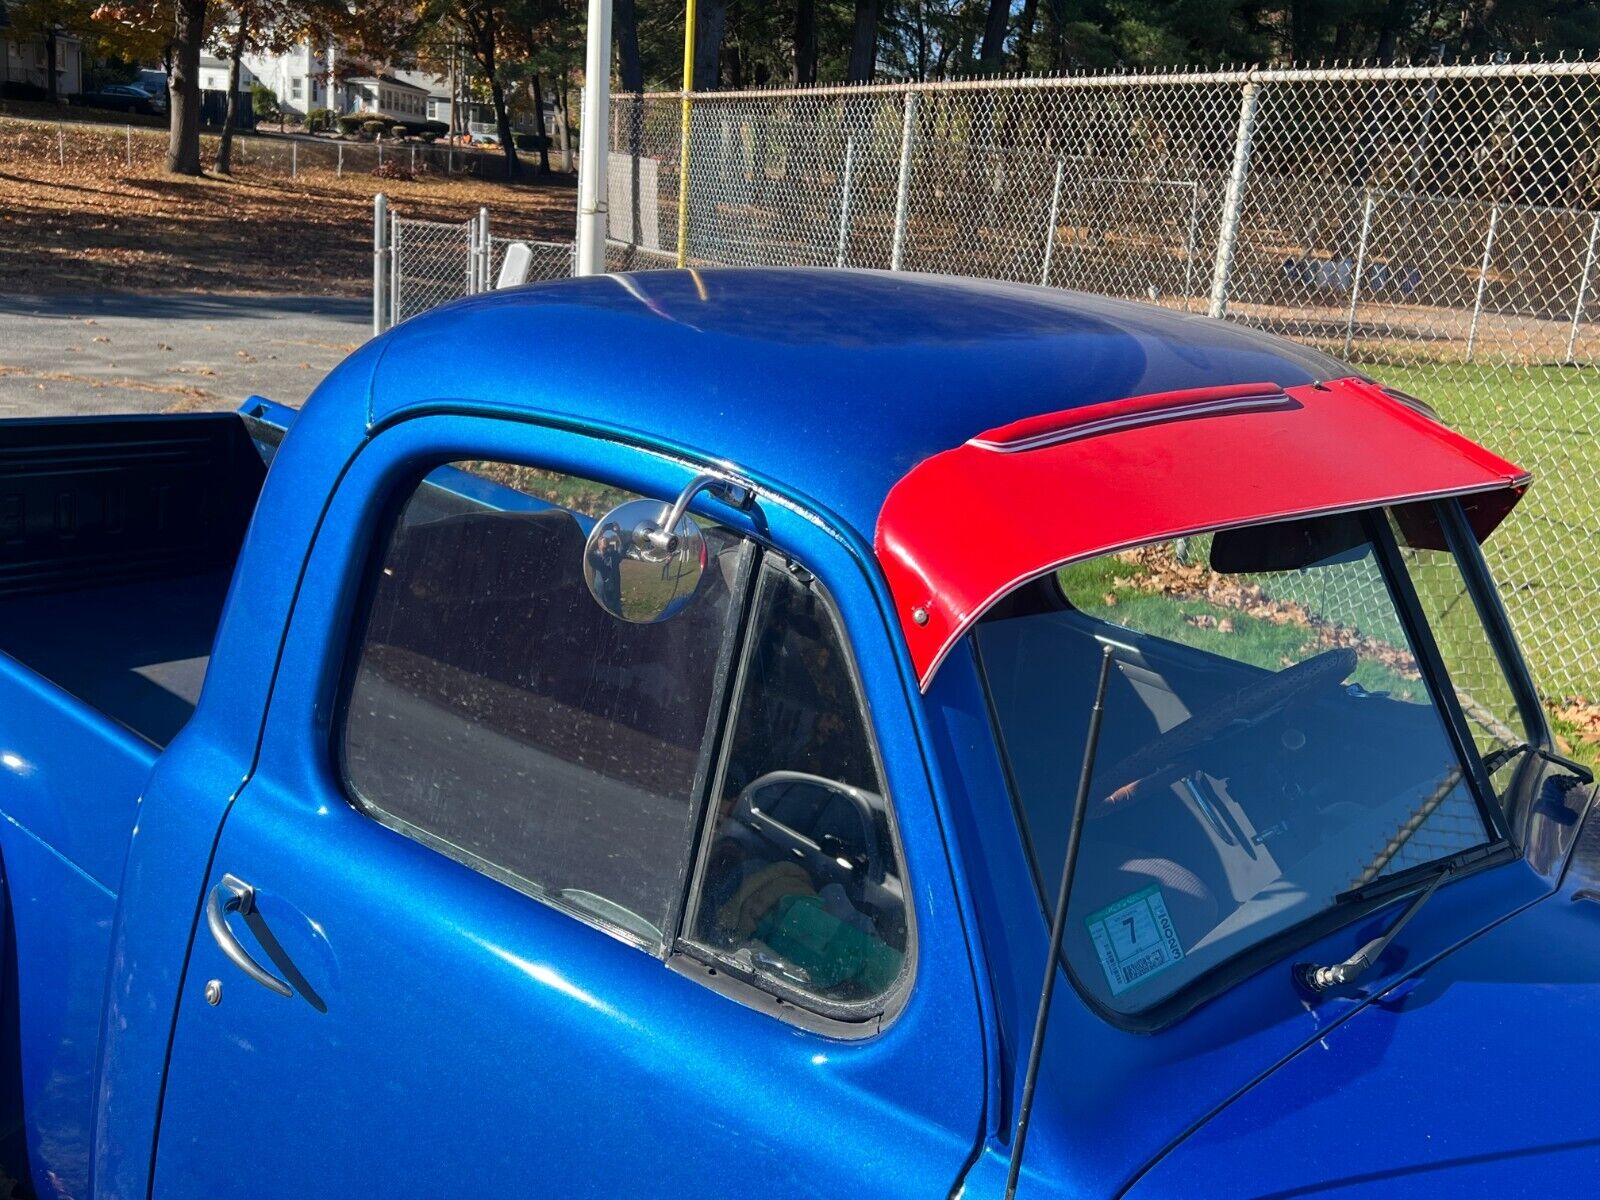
1438,227
104,147
418,265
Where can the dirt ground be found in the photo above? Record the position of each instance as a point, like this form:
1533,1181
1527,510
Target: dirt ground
97,224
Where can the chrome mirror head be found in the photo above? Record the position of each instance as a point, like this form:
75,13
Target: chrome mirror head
640,570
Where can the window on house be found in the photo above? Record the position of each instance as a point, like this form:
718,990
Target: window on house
297,88
498,714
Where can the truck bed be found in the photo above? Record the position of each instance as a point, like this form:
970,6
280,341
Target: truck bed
136,652
118,537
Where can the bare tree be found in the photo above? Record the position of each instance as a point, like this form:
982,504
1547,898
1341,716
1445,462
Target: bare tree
864,42
625,27
992,57
805,42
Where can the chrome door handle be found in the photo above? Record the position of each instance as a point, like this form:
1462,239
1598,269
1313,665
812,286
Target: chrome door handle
233,894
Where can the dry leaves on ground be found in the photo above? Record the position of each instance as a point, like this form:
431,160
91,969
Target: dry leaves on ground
96,224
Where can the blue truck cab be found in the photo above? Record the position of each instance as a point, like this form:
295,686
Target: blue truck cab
638,758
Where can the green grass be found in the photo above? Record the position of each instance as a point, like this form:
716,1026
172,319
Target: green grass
1546,557
1199,623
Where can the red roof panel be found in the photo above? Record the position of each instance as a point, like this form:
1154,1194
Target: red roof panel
967,526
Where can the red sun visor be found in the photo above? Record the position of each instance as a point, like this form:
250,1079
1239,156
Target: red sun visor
969,525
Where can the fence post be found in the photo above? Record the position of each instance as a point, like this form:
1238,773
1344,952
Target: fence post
413,160
380,153
396,266
902,203
340,171
1355,280
1233,202
1583,291
61,146
294,160
843,250
380,235
485,254
1050,223
1483,281
127,138
450,161
1190,244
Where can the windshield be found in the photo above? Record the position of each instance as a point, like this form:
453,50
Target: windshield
1271,740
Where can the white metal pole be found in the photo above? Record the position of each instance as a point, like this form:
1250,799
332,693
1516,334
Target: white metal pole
127,136
340,172
61,146
593,141
843,250
1233,202
485,254
294,159
902,203
1355,280
1583,290
1050,224
1189,246
380,233
396,263
1483,281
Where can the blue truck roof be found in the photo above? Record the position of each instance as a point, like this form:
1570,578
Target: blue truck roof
828,383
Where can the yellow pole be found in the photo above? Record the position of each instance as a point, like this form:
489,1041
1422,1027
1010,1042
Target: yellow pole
683,142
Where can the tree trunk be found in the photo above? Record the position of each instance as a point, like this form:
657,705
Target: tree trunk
1030,14
231,112
864,43
53,89
625,25
183,142
993,55
502,121
805,43
711,24
563,91
538,126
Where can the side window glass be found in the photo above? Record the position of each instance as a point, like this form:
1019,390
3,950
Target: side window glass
802,883
497,713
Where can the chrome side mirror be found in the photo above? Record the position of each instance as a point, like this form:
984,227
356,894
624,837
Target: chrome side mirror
644,559
639,569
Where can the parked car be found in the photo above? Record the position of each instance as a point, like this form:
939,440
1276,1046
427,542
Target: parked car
123,97
657,777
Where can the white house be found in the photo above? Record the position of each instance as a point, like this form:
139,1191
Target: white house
299,78
28,62
214,75
388,97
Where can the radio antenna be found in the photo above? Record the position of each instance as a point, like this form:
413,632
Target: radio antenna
1058,928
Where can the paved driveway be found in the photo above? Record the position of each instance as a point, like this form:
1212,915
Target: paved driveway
129,353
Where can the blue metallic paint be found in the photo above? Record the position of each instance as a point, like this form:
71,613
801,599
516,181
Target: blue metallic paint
537,1007
573,1016
1110,1101
1473,1077
871,372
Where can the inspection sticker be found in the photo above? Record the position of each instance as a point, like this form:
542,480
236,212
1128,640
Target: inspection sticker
1134,938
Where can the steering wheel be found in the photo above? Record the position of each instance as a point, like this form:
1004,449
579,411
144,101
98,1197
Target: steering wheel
1231,715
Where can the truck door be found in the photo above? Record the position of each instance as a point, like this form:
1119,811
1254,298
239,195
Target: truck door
496,910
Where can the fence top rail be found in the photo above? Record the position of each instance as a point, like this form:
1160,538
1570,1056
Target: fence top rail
1156,77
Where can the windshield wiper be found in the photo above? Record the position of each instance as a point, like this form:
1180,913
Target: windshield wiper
1317,978
1496,759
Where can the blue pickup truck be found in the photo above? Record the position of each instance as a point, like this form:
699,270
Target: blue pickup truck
785,734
